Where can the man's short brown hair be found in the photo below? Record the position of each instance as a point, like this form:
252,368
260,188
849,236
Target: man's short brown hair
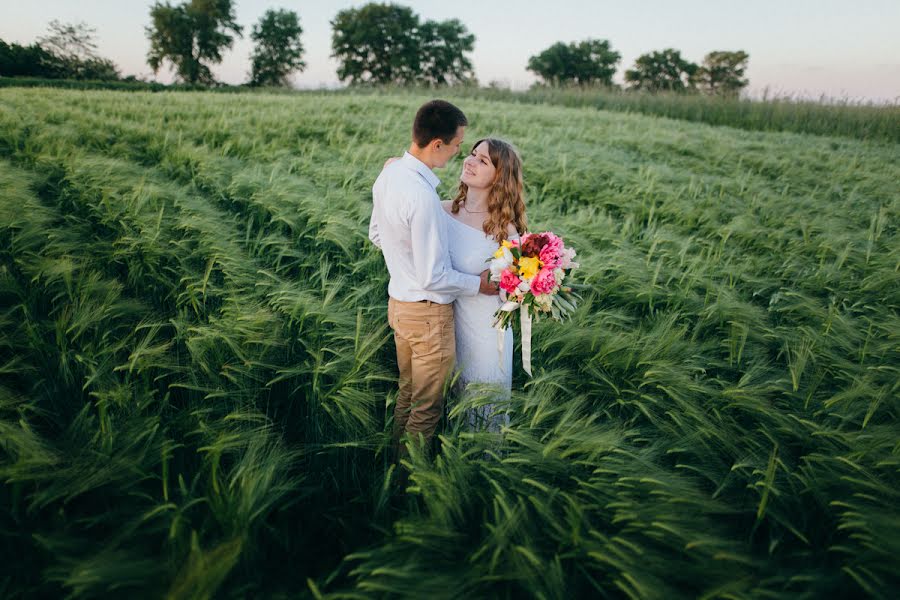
437,119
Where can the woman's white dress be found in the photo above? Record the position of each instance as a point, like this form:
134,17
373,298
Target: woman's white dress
477,355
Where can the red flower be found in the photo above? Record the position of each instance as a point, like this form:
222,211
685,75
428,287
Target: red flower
533,244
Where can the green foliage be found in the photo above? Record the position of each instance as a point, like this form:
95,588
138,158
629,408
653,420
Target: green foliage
388,44
196,377
191,35
69,40
376,44
28,61
278,51
827,116
588,62
67,52
663,70
125,84
722,73
442,55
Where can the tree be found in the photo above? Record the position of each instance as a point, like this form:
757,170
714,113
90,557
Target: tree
28,61
442,57
387,44
661,71
584,63
279,51
189,35
722,72
376,44
98,68
73,47
74,40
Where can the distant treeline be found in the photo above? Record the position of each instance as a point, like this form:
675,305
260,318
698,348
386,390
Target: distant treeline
66,52
375,44
387,46
127,85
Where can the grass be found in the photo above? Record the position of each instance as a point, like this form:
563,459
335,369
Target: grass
825,116
196,376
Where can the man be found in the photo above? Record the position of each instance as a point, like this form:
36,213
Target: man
408,226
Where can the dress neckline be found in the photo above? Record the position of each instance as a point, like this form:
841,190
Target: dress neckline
469,227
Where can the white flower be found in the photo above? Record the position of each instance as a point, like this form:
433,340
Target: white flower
565,260
498,265
544,301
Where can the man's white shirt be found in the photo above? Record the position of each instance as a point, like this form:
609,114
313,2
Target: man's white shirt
408,226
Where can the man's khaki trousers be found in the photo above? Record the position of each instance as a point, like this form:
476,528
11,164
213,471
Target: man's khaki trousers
426,351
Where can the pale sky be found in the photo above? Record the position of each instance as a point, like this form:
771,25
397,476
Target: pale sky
806,48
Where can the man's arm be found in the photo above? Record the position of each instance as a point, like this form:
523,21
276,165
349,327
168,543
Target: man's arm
433,271
373,224
373,230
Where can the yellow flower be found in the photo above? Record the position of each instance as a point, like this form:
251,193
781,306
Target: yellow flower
504,244
528,267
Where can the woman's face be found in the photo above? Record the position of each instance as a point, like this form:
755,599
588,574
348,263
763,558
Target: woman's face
478,170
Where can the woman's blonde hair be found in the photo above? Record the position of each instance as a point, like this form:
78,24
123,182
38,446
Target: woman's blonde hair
506,203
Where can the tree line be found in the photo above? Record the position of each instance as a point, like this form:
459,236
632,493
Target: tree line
381,44
593,62
66,52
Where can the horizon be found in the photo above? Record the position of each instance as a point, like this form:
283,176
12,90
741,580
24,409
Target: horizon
827,50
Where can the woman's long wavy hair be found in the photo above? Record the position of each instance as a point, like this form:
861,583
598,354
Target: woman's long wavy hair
506,203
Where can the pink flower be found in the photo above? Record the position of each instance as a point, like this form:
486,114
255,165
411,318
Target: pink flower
543,282
549,257
551,252
509,281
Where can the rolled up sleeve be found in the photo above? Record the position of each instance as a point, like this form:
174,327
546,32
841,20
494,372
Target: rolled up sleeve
374,237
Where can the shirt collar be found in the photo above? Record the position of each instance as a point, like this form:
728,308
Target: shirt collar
422,169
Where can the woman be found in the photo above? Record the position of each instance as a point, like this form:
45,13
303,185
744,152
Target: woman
488,208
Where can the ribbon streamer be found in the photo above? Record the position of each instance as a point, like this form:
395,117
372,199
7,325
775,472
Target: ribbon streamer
525,322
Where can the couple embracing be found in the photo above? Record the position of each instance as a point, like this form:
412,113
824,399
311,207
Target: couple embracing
441,298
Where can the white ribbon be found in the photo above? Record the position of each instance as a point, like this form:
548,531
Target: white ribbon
525,322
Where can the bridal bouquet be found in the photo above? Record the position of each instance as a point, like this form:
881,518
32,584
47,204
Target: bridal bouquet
530,272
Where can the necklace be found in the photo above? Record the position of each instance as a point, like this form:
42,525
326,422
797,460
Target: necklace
473,212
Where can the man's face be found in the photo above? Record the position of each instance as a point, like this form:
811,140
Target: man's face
444,152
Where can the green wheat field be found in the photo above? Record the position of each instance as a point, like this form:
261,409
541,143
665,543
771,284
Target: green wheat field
197,377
